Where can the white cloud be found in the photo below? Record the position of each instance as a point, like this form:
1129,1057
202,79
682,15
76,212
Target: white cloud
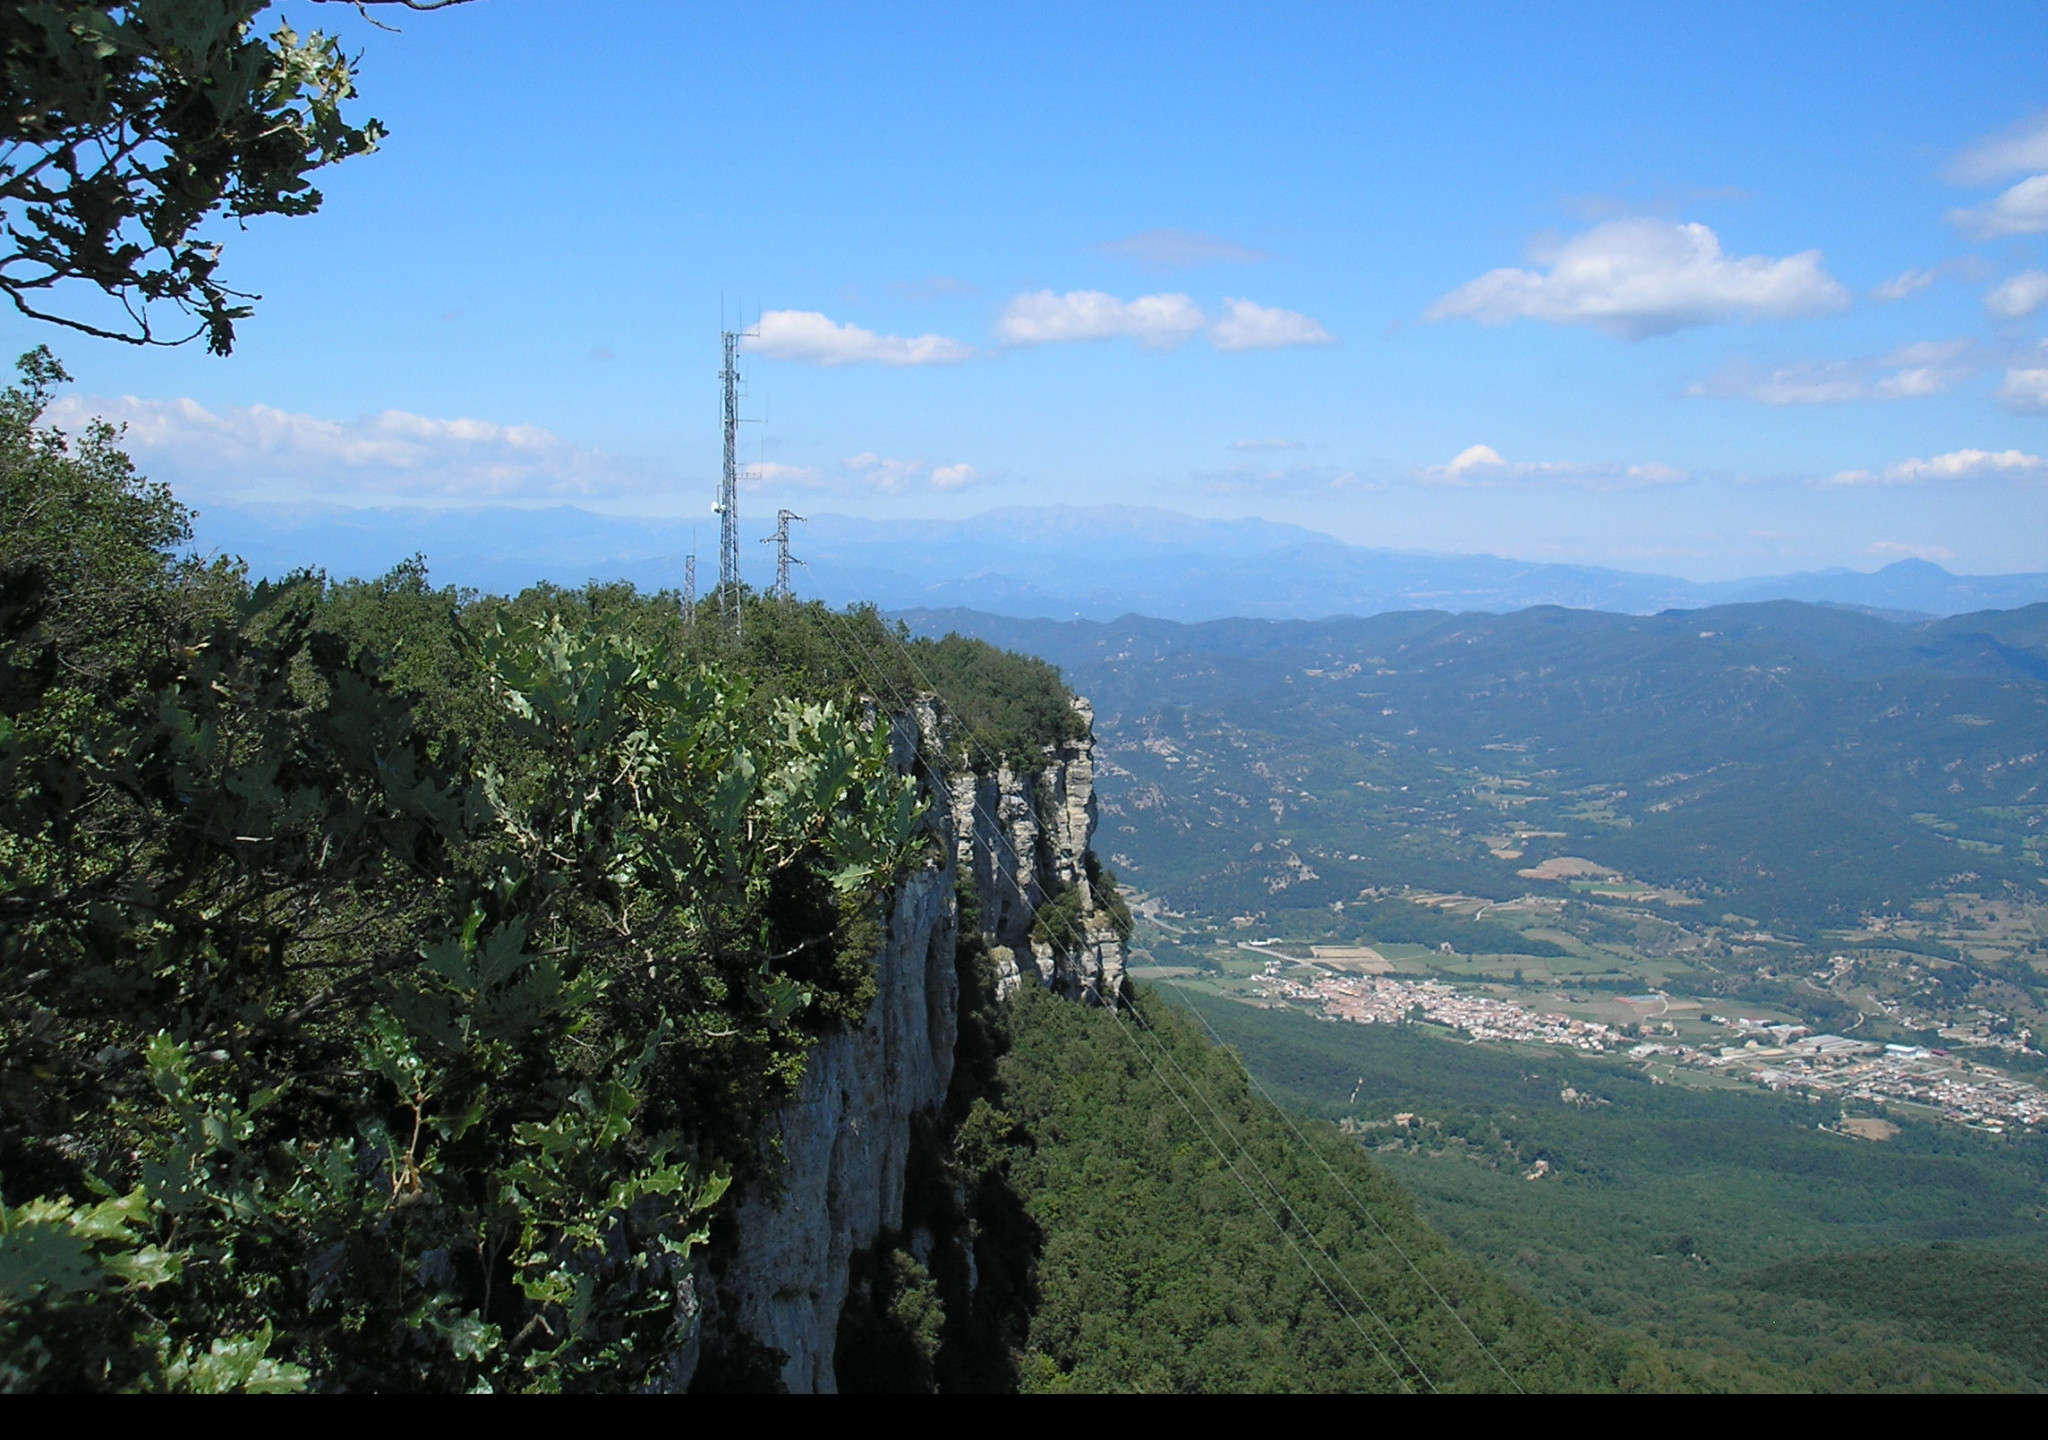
1474,457
1638,278
2022,210
2018,297
2015,151
894,476
1902,285
1480,466
2025,390
1158,322
1956,465
1245,326
1928,368
1268,444
261,452
888,476
1181,250
810,338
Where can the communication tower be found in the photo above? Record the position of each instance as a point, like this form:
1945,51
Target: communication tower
728,506
780,540
690,588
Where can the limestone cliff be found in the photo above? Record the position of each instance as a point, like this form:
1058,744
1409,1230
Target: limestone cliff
779,1273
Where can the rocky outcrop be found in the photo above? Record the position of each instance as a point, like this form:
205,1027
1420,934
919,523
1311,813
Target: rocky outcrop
781,1266
1023,837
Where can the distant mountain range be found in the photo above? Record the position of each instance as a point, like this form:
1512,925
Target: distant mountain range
1058,562
1802,763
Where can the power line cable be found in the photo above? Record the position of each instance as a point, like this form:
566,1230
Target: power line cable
1243,1150
1260,1171
1363,1208
1116,1018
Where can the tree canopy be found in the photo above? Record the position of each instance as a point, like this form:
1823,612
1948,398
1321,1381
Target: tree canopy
372,1027
125,128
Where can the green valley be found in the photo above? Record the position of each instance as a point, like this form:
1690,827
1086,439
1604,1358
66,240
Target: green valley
1690,950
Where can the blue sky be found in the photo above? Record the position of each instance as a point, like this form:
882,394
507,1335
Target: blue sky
1707,290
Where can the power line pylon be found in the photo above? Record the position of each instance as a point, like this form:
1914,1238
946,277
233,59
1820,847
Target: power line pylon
780,540
728,506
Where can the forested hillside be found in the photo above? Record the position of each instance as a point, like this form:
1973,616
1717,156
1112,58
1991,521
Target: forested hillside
1793,763
1142,1218
1197,1239
1710,1222
1671,955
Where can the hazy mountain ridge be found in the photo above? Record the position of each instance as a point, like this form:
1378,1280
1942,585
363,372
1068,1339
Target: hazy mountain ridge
1055,562
1803,763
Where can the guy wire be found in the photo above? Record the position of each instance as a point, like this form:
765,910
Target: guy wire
1362,1207
880,673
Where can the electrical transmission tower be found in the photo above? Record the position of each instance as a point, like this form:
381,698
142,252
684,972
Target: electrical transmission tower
728,506
780,540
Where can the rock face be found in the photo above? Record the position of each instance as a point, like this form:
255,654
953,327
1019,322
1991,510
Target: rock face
780,1271
1024,837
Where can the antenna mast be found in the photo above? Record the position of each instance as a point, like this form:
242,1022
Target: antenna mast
780,540
729,488
690,588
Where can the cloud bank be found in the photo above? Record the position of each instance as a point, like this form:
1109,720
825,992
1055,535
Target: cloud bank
2016,151
2022,210
1180,250
1157,322
1041,317
1900,286
1928,368
260,452
809,338
2019,296
1479,466
2024,391
1956,465
1245,326
1637,278
894,476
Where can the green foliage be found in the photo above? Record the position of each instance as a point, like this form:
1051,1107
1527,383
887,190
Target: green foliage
125,127
1005,703
341,1052
1160,1272
1058,922
891,1328
1396,922
1993,1302
1706,1221
1109,897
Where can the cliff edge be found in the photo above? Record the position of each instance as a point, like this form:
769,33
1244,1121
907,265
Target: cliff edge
781,1259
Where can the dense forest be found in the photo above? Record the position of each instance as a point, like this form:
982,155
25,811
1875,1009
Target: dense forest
1753,1249
394,978
1141,1218
1200,1240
